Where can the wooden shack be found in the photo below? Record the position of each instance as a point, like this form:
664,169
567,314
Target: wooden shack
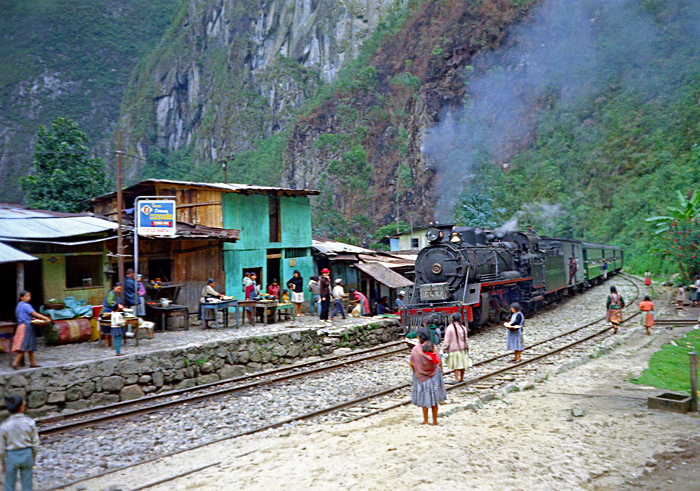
223,231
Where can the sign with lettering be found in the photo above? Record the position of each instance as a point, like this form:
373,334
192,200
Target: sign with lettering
156,217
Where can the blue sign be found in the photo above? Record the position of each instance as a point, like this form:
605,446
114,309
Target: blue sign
156,217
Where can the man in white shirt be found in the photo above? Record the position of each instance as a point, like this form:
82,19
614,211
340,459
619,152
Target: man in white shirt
338,294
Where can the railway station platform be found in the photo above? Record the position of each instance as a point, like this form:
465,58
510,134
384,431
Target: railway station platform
80,375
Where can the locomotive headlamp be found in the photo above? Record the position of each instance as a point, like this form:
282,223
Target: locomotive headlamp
433,234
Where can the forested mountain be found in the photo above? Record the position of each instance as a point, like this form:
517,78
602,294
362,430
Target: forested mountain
67,58
578,116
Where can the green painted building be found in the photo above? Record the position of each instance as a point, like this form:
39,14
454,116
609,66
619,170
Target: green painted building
275,237
268,230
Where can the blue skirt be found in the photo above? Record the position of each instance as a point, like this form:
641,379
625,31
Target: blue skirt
117,331
429,393
514,340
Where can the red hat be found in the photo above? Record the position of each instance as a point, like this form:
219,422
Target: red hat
325,270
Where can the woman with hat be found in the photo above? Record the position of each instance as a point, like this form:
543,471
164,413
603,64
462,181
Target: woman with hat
325,291
209,292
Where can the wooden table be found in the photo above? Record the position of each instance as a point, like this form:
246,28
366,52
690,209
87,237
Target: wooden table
170,308
7,327
256,304
216,306
129,321
165,291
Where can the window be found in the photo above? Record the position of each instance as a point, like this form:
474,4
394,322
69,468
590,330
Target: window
275,228
293,252
414,243
83,271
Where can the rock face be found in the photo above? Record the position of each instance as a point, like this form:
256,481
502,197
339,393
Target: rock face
233,71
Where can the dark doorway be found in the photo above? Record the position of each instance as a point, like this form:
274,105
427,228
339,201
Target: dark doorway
8,291
160,268
274,261
33,283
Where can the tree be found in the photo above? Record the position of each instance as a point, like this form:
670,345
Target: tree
680,230
64,174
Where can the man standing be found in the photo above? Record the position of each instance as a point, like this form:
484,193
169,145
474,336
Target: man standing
572,270
325,290
399,300
315,290
19,440
338,294
129,289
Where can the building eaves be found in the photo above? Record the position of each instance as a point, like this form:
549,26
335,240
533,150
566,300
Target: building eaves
11,255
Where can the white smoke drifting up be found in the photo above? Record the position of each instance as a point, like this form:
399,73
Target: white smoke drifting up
567,50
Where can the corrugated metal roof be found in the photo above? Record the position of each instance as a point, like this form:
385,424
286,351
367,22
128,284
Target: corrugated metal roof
331,247
384,275
231,187
22,223
11,255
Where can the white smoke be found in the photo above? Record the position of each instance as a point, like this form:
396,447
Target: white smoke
566,51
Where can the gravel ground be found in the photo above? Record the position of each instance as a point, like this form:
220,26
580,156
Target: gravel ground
126,442
584,429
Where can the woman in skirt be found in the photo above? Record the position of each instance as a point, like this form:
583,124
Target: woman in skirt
296,286
25,337
514,341
615,304
647,308
456,347
428,385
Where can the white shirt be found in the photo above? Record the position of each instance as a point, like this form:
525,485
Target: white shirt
338,292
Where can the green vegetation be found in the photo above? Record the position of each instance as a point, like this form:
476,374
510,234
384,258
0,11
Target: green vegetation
598,167
64,174
63,58
679,232
669,368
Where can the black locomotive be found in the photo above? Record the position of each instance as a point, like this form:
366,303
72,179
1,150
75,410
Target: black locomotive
479,273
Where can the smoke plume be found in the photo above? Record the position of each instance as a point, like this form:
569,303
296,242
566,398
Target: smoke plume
567,50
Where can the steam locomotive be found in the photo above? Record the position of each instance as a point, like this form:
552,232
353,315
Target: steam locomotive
479,273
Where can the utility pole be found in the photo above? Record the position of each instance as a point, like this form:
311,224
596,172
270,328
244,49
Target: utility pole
120,244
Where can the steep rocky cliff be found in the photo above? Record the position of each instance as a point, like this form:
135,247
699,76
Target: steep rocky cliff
230,73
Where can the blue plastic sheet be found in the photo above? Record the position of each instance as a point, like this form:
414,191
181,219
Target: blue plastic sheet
74,308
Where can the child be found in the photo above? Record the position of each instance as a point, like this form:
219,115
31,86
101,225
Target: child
428,349
18,445
285,296
647,308
680,295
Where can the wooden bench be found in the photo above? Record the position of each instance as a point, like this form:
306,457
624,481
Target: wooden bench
283,309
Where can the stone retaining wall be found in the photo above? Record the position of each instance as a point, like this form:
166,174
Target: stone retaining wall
82,385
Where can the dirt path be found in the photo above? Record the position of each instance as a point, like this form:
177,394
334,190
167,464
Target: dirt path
584,429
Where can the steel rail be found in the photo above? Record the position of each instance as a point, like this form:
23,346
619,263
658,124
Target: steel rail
172,393
134,411
356,401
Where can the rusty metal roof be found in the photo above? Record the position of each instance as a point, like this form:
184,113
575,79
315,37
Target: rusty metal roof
11,255
384,275
17,222
148,185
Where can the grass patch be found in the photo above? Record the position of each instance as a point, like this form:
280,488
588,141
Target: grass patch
669,368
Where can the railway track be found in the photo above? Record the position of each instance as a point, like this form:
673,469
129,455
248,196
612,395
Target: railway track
62,423
485,377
